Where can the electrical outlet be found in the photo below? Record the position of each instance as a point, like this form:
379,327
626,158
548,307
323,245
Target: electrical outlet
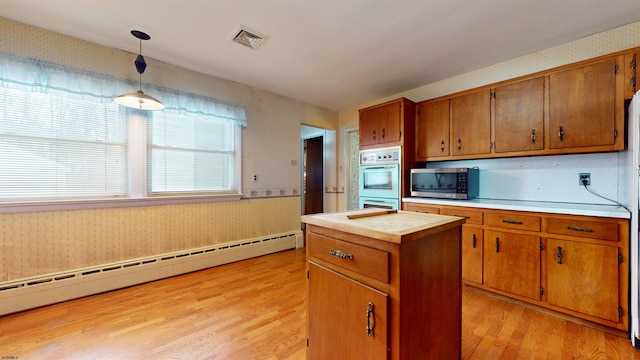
584,179
255,177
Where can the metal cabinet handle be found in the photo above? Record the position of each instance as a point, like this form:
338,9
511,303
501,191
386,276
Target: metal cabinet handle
341,254
533,136
577,228
497,245
509,221
442,146
474,242
561,134
370,326
383,133
374,134
559,255
459,144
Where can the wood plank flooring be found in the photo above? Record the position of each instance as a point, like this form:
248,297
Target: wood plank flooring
254,309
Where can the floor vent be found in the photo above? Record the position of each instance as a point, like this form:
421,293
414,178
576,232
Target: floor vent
44,290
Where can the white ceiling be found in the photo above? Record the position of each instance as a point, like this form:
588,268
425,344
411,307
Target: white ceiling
333,53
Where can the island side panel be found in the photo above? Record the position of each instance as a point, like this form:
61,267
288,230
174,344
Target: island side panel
431,297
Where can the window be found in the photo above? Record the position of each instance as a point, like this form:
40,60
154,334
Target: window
191,154
63,138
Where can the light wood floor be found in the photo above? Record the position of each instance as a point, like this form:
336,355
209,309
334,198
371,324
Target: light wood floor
254,309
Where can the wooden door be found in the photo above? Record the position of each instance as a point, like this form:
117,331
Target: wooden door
339,318
519,116
582,106
313,175
432,130
512,263
369,123
583,277
471,124
472,247
390,122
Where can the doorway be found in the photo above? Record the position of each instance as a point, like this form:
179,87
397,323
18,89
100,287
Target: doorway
313,175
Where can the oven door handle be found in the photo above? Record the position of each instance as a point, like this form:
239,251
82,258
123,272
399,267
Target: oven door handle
378,167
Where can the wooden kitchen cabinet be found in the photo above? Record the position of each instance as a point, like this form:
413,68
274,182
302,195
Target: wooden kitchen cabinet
387,124
576,265
421,208
631,74
383,294
472,241
512,263
351,311
586,108
519,116
575,282
471,124
432,130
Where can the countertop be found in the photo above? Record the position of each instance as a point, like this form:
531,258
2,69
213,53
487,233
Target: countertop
611,211
388,225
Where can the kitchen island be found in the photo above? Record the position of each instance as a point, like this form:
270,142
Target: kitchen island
383,284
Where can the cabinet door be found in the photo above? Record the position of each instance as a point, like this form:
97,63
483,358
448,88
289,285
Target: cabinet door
347,322
390,122
471,124
512,263
583,277
432,130
519,116
582,106
368,126
472,244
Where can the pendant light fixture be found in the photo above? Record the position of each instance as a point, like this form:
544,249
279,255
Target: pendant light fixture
140,100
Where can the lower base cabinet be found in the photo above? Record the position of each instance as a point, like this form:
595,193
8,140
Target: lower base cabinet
572,264
355,312
512,263
583,277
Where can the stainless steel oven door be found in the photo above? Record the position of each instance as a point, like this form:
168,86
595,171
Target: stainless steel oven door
393,204
380,181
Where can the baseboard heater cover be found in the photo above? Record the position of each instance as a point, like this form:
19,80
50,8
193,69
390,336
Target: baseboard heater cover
49,289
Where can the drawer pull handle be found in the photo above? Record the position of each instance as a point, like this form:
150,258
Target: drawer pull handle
577,228
463,216
559,255
474,242
341,254
497,245
509,221
369,316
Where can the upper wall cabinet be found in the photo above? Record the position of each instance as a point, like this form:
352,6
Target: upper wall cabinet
388,124
432,130
519,116
631,73
582,106
577,108
471,124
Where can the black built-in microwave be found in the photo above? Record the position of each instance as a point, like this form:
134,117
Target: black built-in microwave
445,183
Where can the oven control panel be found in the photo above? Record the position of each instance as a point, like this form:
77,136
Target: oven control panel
380,156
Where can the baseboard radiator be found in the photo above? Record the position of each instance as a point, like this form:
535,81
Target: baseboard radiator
38,291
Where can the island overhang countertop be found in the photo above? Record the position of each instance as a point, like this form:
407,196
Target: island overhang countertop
388,225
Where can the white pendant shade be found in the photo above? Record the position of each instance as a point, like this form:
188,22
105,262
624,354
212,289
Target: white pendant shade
139,100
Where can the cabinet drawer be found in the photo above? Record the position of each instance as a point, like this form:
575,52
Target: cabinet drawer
514,221
583,228
472,216
361,259
421,208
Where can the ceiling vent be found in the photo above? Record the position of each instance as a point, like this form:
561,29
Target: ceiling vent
248,37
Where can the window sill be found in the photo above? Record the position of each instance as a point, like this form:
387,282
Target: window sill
59,205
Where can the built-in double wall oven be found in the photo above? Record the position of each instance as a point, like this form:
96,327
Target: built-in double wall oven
380,178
